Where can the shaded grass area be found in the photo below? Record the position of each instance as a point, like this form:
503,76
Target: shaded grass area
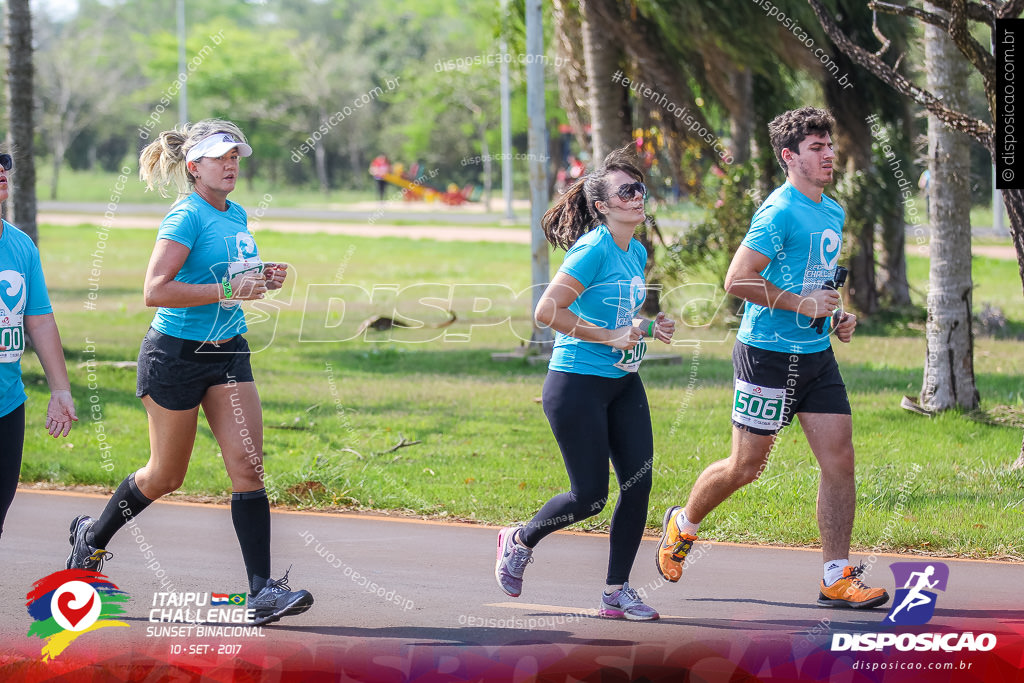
423,422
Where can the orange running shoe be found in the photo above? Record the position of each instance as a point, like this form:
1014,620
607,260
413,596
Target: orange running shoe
850,591
673,547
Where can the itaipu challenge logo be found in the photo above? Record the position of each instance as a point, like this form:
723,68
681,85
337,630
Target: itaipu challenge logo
70,603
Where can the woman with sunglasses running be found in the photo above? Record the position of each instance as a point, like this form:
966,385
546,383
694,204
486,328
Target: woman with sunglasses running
593,396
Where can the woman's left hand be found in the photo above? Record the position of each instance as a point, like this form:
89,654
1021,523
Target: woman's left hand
664,328
60,414
275,274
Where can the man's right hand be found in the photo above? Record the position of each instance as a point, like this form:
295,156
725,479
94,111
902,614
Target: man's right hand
820,303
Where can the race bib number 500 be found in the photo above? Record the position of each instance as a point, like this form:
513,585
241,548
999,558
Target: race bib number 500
631,358
758,407
12,336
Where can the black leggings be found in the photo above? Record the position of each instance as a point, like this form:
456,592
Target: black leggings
12,442
594,419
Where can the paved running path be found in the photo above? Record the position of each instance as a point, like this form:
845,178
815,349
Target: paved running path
437,607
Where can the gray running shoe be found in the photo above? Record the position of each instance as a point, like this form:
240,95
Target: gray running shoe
276,600
512,561
83,555
625,604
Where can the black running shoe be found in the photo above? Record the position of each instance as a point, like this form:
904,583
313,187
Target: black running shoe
275,600
83,555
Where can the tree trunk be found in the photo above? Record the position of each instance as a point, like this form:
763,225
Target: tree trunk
741,123
862,291
602,58
853,140
572,76
58,159
734,86
320,157
949,361
1014,202
892,275
485,152
22,207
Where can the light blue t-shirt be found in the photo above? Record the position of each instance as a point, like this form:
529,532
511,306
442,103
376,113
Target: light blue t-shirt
803,240
220,246
22,292
613,289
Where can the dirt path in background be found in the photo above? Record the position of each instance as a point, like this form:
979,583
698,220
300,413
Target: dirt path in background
442,233
995,251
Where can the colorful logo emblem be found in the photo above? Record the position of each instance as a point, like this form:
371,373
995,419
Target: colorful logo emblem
915,602
71,602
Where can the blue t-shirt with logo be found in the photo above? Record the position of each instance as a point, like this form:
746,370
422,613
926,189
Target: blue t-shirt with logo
613,289
22,292
803,239
220,246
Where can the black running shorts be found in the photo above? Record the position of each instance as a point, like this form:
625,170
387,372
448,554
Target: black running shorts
176,372
772,386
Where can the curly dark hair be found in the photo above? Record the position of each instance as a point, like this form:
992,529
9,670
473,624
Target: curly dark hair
575,212
789,129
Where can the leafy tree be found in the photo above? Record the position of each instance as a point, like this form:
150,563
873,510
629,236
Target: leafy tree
84,75
949,330
233,75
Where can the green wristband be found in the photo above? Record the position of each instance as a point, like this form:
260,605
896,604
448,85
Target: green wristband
650,328
227,288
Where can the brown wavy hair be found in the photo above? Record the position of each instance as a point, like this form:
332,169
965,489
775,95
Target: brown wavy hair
789,129
575,212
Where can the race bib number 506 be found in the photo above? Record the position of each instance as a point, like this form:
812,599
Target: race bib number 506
758,407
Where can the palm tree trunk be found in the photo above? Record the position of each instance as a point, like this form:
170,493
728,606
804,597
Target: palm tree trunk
21,130
949,361
602,59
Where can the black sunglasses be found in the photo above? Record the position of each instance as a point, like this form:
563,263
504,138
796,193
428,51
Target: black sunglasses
629,190
6,161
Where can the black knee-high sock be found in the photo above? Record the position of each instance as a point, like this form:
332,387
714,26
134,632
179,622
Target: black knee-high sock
250,513
126,503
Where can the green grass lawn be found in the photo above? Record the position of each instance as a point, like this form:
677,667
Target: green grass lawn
336,404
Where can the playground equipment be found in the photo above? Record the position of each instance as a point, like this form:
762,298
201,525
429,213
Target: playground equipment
413,190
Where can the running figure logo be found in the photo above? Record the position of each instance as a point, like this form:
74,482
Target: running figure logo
915,602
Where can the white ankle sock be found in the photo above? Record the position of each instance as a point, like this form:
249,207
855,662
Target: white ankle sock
685,525
834,570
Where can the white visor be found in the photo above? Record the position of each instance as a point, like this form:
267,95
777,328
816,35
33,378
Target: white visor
217,145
